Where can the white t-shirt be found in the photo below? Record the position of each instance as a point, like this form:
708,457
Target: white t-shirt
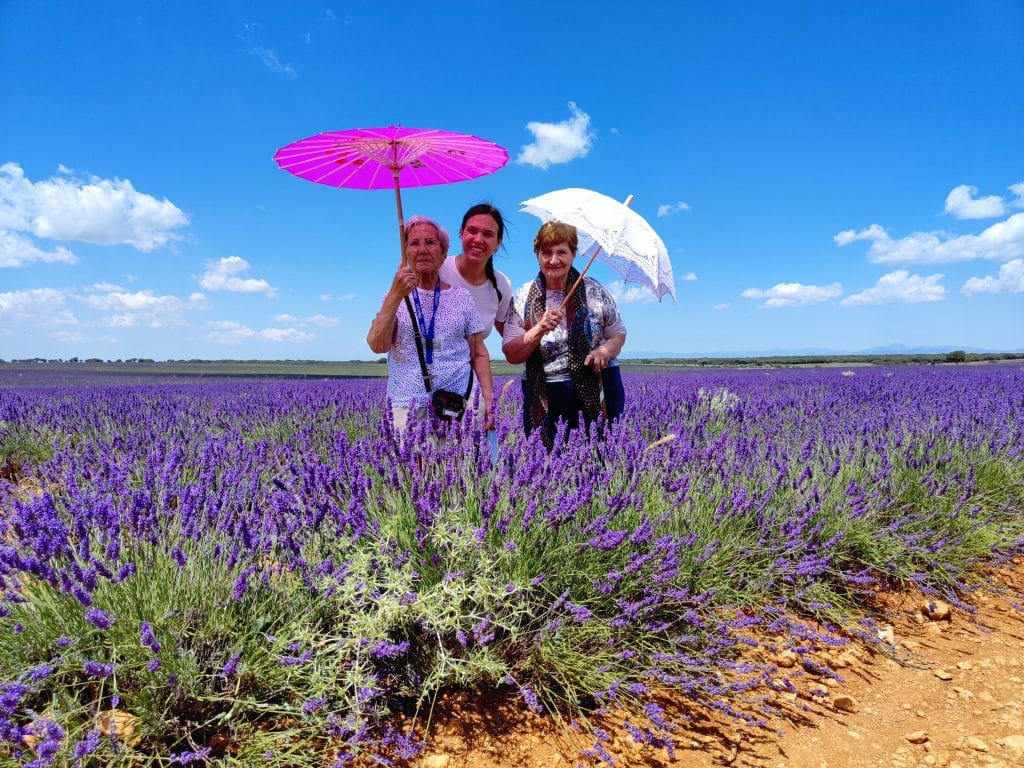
486,299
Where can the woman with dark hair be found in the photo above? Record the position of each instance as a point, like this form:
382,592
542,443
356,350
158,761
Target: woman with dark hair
570,354
482,230
450,330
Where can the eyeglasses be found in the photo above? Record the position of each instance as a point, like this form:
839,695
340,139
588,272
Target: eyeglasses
427,242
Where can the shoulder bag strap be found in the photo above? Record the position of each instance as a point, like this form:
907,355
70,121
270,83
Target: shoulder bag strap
427,381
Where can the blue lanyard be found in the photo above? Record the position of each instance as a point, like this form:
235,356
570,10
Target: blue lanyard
427,331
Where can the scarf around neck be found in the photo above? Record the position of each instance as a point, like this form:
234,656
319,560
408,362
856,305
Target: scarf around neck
585,382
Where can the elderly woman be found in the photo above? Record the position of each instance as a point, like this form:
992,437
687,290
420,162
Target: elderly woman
448,322
570,354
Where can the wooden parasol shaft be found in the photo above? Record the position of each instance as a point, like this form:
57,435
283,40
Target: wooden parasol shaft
401,216
593,256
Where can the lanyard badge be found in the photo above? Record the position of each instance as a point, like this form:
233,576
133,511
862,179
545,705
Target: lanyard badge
427,330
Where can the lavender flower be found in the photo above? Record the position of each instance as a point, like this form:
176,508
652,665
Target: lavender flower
799,488
313,705
184,758
99,619
179,556
87,746
388,650
98,669
40,673
530,697
296,661
229,669
147,638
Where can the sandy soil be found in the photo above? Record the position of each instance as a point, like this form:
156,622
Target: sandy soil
952,696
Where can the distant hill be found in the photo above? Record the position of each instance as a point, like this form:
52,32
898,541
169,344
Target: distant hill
889,349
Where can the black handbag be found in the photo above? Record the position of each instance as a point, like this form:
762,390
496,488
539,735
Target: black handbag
447,405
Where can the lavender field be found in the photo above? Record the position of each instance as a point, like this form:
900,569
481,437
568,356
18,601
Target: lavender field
241,573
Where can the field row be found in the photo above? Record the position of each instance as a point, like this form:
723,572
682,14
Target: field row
238,572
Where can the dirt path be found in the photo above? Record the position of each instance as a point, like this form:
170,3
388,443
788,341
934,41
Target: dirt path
957,701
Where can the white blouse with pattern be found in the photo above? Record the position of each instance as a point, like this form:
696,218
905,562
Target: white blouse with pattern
604,322
457,319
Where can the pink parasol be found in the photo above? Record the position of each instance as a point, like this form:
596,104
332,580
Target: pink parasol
392,157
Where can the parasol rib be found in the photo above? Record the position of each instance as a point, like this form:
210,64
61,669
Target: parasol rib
597,249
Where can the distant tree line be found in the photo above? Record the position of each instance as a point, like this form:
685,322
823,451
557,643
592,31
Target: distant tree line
955,356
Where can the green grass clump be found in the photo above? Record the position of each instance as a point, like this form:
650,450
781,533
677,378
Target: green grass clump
21,448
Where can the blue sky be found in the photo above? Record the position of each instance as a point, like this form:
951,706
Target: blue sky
826,175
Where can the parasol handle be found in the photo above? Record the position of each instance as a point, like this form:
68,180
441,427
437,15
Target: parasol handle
579,279
401,216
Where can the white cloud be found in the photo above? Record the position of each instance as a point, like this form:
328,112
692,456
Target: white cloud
899,287
556,143
962,203
721,306
270,58
1003,240
634,294
874,232
1010,280
285,334
321,321
250,34
230,332
141,308
39,306
68,336
794,294
690,276
1018,191
667,209
223,276
17,251
99,211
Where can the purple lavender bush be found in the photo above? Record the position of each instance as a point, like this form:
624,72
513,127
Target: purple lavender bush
266,572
